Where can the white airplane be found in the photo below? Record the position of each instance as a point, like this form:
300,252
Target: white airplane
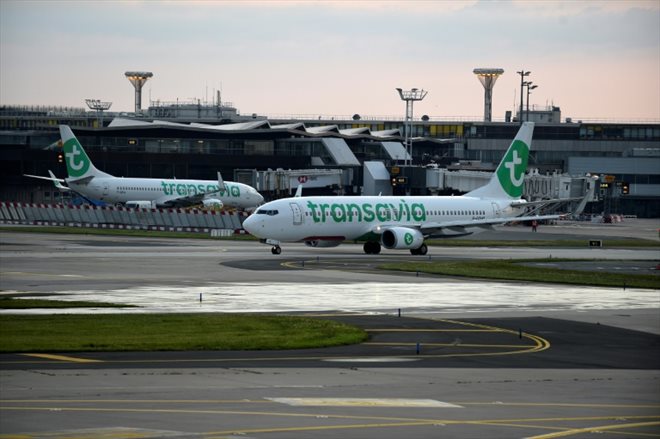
399,222
88,181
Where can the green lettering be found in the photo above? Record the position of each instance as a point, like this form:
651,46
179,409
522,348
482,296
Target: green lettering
368,212
191,189
353,210
180,189
312,207
418,212
235,191
381,212
405,208
172,188
323,208
200,188
162,183
397,212
338,213
212,188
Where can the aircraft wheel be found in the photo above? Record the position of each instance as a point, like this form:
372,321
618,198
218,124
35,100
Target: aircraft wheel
422,250
276,250
371,248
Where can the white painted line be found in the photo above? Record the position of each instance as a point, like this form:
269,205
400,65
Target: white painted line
364,402
371,360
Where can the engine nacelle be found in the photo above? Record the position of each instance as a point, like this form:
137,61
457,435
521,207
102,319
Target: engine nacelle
402,238
212,202
322,243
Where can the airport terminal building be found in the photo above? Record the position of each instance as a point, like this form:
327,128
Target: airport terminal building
352,155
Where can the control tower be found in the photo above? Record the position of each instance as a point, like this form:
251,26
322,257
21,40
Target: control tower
138,79
487,77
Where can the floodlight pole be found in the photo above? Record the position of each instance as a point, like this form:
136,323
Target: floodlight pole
522,74
410,96
530,87
138,79
487,77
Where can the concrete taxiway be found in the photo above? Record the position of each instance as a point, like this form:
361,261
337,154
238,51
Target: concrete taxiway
465,359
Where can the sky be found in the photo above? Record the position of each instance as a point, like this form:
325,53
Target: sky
593,59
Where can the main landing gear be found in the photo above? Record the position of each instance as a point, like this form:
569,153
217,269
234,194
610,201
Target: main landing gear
371,248
422,250
276,250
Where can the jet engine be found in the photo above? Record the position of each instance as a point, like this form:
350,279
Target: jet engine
322,243
402,238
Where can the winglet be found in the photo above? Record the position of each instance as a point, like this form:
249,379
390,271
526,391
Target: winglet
298,193
56,182
221,182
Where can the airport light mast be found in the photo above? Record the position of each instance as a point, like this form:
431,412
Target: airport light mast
530,87
410,96
138,79
522,74
487,77
99,107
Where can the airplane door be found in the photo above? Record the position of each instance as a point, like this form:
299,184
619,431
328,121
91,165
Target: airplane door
496,210
106,186
297,214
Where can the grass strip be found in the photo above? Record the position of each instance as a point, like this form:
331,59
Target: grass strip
515,270
557,243
15,303
170,332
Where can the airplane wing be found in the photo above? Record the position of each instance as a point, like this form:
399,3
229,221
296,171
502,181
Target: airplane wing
462,227
56,181
439,229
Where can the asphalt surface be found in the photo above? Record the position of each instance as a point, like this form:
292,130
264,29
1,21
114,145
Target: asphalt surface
534,371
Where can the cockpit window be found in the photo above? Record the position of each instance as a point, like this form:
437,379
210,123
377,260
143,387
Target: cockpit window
269,212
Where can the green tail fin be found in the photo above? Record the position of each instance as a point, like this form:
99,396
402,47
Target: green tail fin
507,181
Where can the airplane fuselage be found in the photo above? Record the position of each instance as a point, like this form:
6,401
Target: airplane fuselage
161,191
349,218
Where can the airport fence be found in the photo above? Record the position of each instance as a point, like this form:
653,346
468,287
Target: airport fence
111,217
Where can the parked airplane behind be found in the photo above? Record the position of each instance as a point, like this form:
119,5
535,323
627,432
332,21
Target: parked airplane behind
85,179
399,222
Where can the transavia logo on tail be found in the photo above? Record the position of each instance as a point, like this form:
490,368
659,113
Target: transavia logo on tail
512,174
77,162
408,238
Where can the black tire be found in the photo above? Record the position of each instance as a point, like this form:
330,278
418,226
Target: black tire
276,250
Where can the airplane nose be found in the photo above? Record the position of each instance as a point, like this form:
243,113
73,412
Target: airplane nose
250,224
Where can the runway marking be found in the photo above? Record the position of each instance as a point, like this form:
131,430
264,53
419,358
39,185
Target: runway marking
599,429
63,358
464,345
390,421
363,402
25,273
436,330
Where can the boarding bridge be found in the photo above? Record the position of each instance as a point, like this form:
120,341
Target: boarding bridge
577,191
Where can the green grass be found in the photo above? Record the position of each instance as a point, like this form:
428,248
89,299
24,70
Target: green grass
19,303
166,332
557,243
515,270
